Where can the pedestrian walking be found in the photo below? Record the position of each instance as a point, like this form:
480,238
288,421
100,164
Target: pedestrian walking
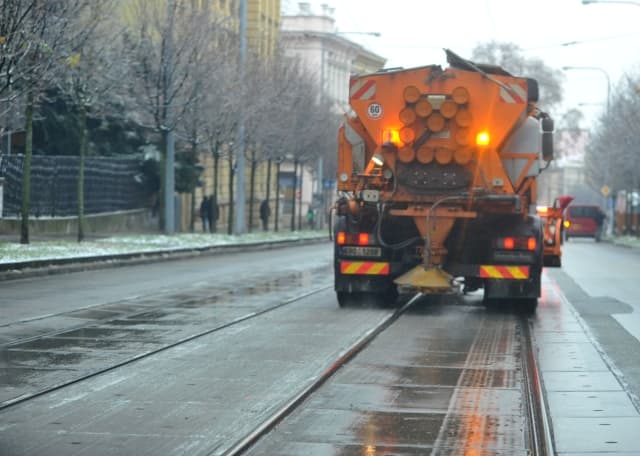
204,213
265,212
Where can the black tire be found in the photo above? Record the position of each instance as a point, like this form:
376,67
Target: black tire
390,297
552,262
345,299
527,306
499,305
353,299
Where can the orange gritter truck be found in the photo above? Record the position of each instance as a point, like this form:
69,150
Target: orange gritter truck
436,177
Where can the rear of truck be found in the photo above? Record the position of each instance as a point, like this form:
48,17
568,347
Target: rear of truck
437,178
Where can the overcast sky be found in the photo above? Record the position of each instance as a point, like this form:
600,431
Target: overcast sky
413,33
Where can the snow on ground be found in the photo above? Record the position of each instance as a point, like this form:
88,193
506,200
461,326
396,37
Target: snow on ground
14,252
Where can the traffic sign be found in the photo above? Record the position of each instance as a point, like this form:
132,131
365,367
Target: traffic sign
605,190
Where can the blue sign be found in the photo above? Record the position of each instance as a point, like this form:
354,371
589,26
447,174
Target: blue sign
328,184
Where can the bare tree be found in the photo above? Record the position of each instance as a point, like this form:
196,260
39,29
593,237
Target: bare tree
164,42
34,40
303,124
88,76
212,113
15,18
220,100
509,56
613,156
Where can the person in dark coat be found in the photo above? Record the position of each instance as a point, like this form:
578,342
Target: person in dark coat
205,208
214,213
265,212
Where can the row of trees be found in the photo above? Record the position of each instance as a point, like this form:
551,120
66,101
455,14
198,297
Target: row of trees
613,156
169,67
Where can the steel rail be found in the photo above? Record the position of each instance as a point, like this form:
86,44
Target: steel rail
540,436
266,426
29,396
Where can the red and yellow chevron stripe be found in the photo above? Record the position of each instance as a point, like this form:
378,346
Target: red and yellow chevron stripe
504,272
364,267
362,89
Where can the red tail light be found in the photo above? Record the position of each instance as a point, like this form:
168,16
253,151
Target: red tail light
516,243
344,238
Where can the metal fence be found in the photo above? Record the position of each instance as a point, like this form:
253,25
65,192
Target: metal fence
110,184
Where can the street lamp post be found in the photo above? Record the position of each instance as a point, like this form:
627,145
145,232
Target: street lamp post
240,146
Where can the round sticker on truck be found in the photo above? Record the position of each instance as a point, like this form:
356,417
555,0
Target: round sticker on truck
374,110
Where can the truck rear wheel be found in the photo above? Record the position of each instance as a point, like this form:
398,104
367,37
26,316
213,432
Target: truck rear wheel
346,299
552,261
526,305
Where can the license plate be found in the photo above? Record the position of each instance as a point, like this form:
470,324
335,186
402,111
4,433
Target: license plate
362,251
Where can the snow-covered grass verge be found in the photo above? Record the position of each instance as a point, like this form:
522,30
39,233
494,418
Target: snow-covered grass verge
13,252
629,241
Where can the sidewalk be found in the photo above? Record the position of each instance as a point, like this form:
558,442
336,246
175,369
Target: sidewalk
50,254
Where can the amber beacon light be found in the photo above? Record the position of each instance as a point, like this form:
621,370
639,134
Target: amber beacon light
483,138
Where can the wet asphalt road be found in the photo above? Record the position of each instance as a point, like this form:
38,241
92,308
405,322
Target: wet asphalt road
56,329
420,388
444,379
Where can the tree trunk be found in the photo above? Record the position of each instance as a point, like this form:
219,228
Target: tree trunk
231,173
252,187
293,195
216,164
163,182
192,224
268,192
192,221
83,154
26,169
277,213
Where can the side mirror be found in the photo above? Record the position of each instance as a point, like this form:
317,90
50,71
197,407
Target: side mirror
547,138
533,92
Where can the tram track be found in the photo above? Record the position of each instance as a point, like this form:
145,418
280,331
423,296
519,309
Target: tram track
488,349
534,410
128,361
266,426
539,426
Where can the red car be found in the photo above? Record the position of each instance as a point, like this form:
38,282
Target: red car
583,221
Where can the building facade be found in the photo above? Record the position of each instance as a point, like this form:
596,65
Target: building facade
327,52
263,26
